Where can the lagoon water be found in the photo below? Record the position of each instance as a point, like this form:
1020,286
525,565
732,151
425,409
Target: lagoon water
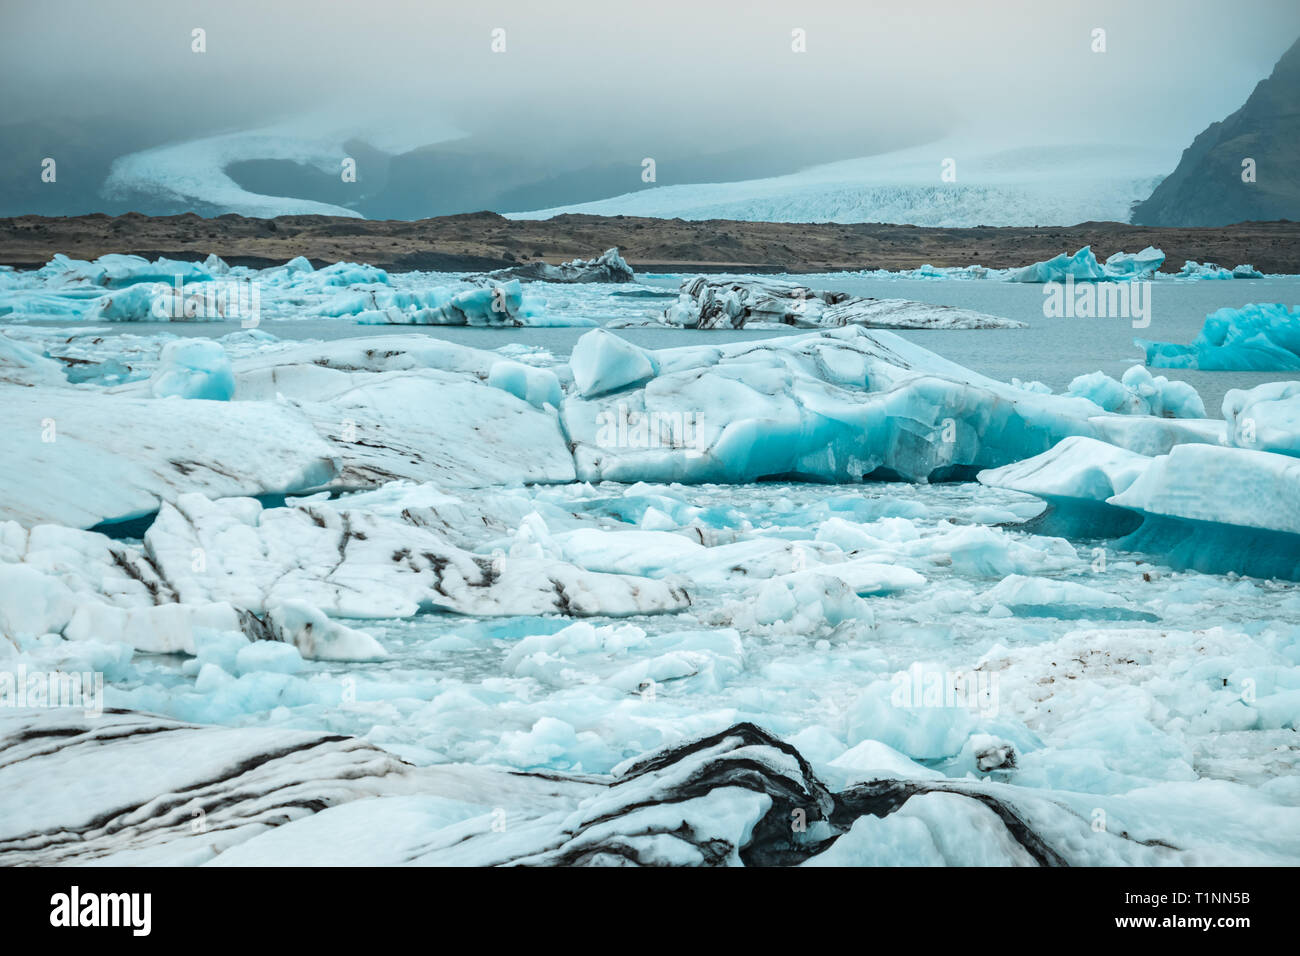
1051,350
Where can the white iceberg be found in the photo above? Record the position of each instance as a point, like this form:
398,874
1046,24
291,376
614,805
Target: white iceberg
720,302
194,368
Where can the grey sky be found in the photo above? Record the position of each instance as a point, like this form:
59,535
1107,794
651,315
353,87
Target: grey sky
653,75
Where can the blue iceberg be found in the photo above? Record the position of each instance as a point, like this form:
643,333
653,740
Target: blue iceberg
1257,337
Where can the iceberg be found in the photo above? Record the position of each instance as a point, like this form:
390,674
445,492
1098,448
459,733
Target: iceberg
1256,337
833,406
348,414
1212,270
1266,418
602,362
1138,392
19,365
1144,264
609,266
1173,504
1083,267
719,302
194,368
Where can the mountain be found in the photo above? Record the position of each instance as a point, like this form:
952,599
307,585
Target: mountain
1207,188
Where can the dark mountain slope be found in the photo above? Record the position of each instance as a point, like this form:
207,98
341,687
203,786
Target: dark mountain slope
1207,188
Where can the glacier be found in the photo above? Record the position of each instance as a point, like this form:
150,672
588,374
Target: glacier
1047,185
192,173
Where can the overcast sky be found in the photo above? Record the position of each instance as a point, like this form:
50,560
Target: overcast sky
652,75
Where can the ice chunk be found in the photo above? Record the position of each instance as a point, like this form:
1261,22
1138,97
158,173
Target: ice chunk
1263,337
835,406
317,637
1142,264
607,267
1266,417
1211,270
1082,266
720,302
603,362
351,562
1175,503
536,386
194,368
19,365
1139,393
267,656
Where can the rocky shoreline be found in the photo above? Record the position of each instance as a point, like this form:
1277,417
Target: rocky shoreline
485,241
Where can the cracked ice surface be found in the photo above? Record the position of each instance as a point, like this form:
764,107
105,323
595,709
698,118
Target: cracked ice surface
392,576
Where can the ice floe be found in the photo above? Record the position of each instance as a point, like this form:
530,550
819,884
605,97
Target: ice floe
740,796
713,302
609,266
420,586
1211,270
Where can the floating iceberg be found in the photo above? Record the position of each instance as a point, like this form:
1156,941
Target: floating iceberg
607,267
347,414
1083,267
1172,505
832,406
1258,337
1142,264
1266,417
20,365
711,302
502,304
1139,393
1212,270
194,368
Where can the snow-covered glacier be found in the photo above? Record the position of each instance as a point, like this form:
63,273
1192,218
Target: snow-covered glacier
194,173
1044,185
